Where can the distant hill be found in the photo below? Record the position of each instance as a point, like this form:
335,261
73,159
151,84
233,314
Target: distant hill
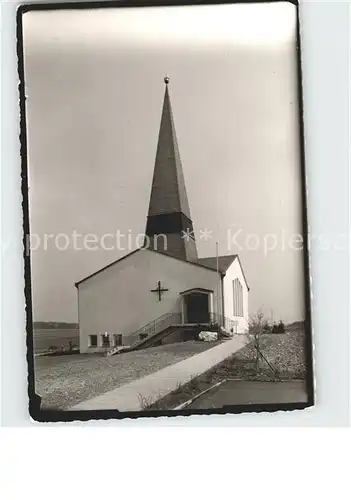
57,325
296,325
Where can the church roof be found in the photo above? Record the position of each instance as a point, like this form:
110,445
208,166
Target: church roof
168,193
105,267
208,262
199,264
224,262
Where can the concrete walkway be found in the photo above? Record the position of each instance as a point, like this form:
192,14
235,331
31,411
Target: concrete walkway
65,381
139,393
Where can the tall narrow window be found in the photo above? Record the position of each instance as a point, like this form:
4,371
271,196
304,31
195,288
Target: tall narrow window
238,303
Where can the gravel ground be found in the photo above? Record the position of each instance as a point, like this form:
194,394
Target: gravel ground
63,381
285,352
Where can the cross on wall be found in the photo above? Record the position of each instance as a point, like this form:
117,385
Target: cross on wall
159,290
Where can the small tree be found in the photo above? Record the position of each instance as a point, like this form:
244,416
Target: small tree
256,328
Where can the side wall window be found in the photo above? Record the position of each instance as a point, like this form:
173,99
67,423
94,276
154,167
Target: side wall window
105,340
238,303
117,340
92,340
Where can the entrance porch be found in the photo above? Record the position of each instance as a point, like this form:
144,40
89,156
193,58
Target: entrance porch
196,306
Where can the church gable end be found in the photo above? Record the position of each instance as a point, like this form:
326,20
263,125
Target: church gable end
141,288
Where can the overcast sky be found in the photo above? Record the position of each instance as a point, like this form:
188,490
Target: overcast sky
94,85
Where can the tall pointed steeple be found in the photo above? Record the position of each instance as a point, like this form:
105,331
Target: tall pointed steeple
169,212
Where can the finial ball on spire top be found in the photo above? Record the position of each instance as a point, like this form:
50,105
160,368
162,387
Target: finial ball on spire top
166,79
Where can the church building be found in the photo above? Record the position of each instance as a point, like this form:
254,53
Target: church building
163,292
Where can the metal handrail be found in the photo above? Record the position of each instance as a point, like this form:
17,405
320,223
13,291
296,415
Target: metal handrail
175,318
168,319
152,328
158,324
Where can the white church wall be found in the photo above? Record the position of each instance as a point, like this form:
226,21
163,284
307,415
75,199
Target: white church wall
233,272
118,300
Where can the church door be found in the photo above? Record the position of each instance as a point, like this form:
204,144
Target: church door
197,308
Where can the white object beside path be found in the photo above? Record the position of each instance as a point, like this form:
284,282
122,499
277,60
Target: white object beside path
208,336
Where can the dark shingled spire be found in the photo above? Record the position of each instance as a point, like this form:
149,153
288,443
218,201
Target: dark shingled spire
169,212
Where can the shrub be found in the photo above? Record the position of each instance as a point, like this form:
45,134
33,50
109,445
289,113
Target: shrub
213,327
266,327
281,327
275,328
278,328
